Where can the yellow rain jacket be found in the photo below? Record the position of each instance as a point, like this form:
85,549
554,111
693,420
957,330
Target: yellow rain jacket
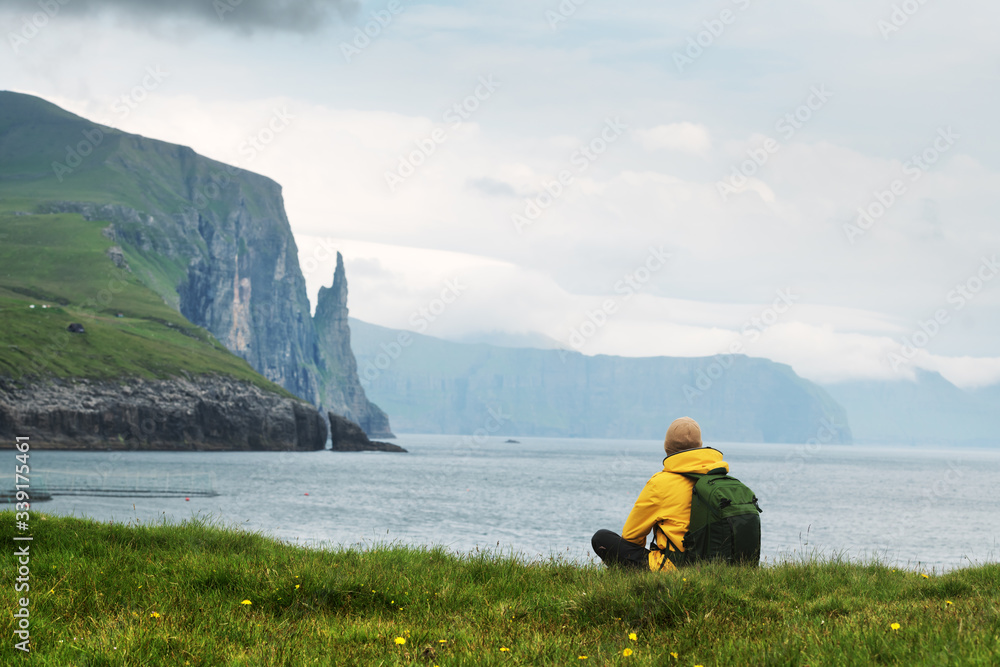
666,500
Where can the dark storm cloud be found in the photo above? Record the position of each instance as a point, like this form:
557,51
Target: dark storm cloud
244,15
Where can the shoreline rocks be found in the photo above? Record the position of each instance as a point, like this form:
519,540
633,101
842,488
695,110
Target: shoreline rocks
346,436
203,413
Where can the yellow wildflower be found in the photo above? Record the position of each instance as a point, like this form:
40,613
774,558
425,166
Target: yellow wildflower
925,576
400,640
633,636
627,652
296,586
673,654
246,602
947,602
155,614
895,626
581,657
504,648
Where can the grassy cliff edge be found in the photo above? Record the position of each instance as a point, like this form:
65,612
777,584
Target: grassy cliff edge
61,262
202,594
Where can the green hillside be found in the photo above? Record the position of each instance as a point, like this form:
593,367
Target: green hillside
61,261
49,156
211,241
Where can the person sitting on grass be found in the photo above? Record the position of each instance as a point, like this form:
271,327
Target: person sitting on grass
664,505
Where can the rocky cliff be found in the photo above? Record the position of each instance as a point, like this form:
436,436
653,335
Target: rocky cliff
202,413
437,386
232,269
928,410
211,239
346,436
342,392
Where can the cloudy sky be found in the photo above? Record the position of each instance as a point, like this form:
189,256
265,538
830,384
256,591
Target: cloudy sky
641,178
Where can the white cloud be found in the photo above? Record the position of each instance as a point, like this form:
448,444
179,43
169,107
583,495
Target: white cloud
784,230
727,256
391,285
684,137
966,372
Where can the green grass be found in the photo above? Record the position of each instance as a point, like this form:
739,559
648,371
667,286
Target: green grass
104,594
60,261
116,167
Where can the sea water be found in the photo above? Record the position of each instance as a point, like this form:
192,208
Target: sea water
923,509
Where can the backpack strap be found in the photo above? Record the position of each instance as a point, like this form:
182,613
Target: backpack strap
698,475
671,547
695,477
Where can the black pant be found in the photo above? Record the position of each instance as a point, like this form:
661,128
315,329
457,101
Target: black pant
617,552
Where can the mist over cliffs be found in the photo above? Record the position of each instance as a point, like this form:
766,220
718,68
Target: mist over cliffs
928,410
430,385
211,239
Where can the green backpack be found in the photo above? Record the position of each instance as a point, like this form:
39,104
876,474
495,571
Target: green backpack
725,522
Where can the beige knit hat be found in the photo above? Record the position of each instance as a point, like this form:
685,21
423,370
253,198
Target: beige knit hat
683,434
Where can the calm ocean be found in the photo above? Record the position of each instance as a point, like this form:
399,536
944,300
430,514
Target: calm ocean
917,508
